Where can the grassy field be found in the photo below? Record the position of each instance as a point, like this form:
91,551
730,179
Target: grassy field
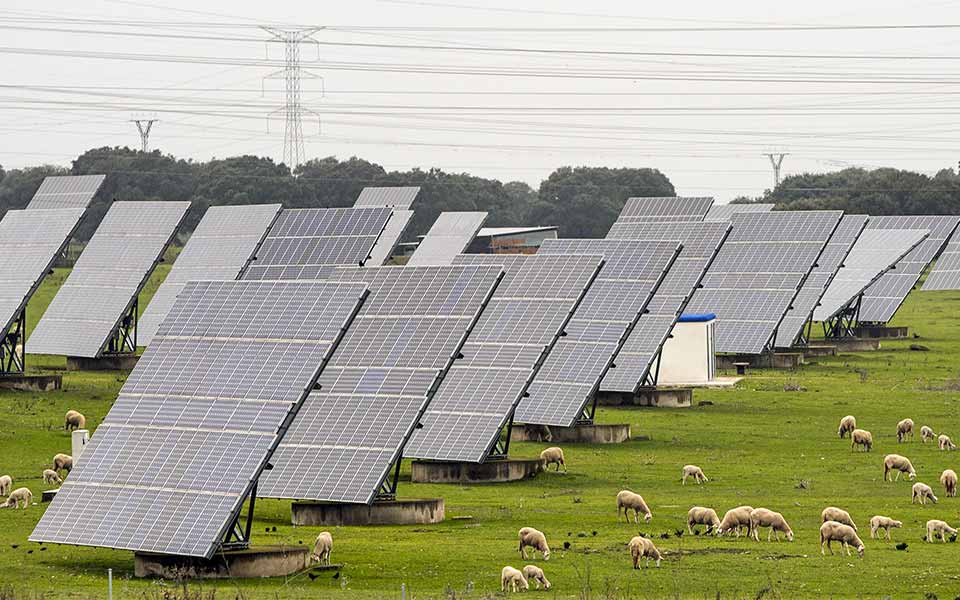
770,442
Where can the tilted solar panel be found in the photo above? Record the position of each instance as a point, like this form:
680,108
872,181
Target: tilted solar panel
194,425
396,226
66,191
395,197
219,248
569,378
945,274
372,394
701,243
107,278
307,243
758,272
724,212
807,300
665,208
449,236
519,326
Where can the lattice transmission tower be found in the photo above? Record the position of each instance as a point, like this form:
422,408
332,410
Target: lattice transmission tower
144,126
776,160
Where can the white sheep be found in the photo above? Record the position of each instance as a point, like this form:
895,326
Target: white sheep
62,462
695,472
641,547
831,531
553,455
510,577
879,522
734,519
948,479
863,438
18,495
628,500
535,574
900,464
74,420
936,527
847,425
51,477
762,517
922,492
945,443
6,484
832,513
699,515
534,539
904,429
322,548
927,434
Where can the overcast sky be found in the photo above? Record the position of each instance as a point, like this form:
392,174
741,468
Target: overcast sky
510,90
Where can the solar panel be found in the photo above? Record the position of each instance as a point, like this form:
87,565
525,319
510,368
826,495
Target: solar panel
882,299
724,212
450,235
307,243
665,208
569,378
875,253
758,272
170,466
383,249
219,248
102,289
66,191
701,242
836,250
517,329
394,197
378,383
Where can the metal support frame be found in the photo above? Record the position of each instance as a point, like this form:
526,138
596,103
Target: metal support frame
238,535
843,324
501,449
388,489
12,356
124,338
589,411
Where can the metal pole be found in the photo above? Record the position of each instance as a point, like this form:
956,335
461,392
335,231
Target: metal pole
109,584
403,591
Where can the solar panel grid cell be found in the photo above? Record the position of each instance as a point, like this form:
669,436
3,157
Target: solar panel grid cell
724,212
449,236
66,191
395,197
665,208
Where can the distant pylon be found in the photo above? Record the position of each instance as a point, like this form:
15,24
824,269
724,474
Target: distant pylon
776,159
144,126
293,150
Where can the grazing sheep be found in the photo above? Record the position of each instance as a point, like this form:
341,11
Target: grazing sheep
6,483
904,430
861,437
641,547
948,479
74,420
879,522
832,513
322,548
927,434
695,472
535,573
62,462
945,443
627,500
699,515
16,497
762,517
922,492
513,578
551,456
936,527
900,464
831,531
847,425
734,519
51,477
536,540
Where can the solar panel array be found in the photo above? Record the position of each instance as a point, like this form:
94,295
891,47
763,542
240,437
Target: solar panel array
375,388
383,249
517,329
836,250
757,274
875,253
169,468
66,191
724,212
882,299
665,208
219,248
394,197
449,236
107,278
308,243
701,242
945,274
571,374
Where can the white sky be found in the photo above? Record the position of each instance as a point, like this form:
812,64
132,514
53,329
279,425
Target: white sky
704,120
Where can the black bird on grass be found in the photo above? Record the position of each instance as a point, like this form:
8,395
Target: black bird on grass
336,575
902,546
312,576
664,536
678,533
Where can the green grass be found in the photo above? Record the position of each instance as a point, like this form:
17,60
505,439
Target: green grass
755,442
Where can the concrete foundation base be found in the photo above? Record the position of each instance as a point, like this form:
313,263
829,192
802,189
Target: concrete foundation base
578,434
394,512
31,383
48,495
116,362
881,332
856,344
661,397
818,351
494,471
258,561
777,360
